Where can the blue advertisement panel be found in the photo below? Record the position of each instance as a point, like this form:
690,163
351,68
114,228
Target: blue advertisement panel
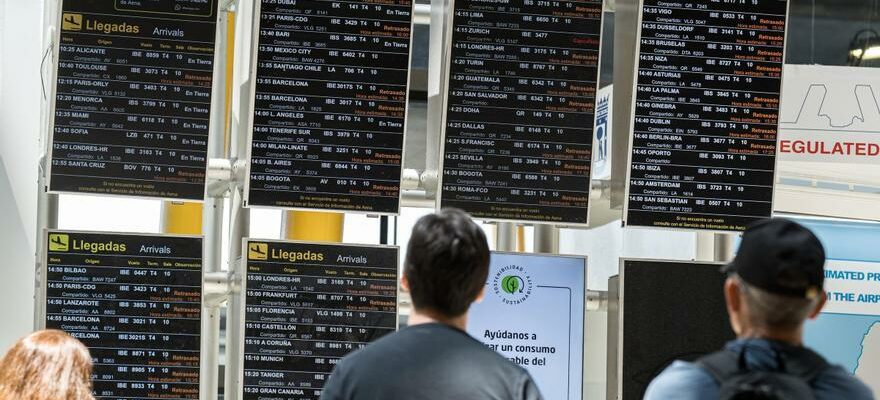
848,331
533,314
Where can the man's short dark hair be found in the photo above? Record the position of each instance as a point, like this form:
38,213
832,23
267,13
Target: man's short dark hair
447,262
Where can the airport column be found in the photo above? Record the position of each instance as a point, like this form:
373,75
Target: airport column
546,239
182,218
505,236
313,226
521,239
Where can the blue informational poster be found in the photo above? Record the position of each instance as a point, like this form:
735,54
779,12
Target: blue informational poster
533,314
847,333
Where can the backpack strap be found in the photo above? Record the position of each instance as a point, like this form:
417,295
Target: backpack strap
725,364
806,364
721,365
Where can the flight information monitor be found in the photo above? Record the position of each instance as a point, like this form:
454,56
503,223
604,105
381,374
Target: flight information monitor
330,105
706,112
306,306
133,98
136,302
519,109
668,311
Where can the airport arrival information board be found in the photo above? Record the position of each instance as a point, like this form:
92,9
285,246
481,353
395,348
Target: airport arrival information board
136,302
306,306
519,109
330,105
133,98
703,151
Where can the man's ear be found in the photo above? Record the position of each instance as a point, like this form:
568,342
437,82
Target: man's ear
733,299
404,283
481,295
823,298
732,296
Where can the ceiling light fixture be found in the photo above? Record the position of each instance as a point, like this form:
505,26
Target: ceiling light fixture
865,45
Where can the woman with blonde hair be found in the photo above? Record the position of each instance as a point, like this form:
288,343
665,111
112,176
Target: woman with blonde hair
46,365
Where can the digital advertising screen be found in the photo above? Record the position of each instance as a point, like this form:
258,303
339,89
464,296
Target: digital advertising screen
533,314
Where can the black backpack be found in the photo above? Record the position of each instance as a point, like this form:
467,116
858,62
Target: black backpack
792,381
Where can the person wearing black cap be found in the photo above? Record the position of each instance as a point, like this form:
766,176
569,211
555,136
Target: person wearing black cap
774,285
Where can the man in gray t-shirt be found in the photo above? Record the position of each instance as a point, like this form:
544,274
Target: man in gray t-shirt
446,267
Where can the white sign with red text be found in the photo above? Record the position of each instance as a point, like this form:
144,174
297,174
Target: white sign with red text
829,142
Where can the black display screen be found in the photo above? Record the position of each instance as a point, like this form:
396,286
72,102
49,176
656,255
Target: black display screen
308,305
671,311
706,113
133,97
519,109
330,105
136,302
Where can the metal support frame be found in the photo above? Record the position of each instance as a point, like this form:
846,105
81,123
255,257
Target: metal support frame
215,282
239,217
596,301
436,82
47,218
47,203
417,199
612,361
238,230
626,20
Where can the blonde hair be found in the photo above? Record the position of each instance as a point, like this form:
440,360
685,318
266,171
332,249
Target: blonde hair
46,365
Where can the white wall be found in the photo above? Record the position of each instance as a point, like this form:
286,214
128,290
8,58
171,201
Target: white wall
604,245
20,51
110,214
